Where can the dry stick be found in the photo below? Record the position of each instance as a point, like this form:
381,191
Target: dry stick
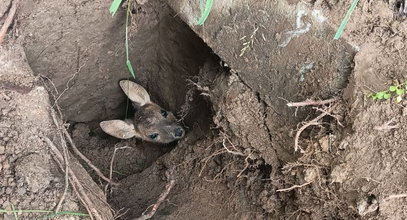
112,160
387,125
65,159
332,115
247,164
9,20
111,163
397,196
206,159
231,151
311,102
83,157
306,125
82,195
162,197
293,187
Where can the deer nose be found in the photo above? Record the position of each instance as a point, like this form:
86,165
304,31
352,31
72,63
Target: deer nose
179,132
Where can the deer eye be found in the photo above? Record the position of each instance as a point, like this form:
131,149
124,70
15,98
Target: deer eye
153,136
164,113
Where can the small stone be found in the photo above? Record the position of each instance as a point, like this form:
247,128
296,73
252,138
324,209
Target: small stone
324,143
9,190
367,205
2,149
310,175
339,173
6,165
21,191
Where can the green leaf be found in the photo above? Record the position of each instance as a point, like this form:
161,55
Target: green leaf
205,14
405,86
130,68
393,88
398,99
115,5
400,91
386,96
380,95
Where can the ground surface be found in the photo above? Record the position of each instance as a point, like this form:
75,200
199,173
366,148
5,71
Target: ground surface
237,160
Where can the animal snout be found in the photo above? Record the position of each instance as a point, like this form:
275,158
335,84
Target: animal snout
179,132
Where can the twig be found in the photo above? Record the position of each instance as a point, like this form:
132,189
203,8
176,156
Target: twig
311,102
9,20
112,161
83,157
162,197
330,114
231,151
247,164
75,149
293,187
397,196
66,162
387,125
306,125
206,159
75,182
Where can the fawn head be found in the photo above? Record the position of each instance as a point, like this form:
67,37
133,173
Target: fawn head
150,123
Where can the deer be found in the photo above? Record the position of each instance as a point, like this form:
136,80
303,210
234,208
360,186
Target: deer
150,122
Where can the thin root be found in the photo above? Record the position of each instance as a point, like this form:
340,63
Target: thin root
311,102
293,187
307,124
9,20
387,126
162,197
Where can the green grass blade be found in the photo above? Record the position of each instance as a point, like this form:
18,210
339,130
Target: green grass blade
205,14
115,5
51,213
14,212
345,20
128,63
55,214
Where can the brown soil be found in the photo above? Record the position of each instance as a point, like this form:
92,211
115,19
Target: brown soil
237,160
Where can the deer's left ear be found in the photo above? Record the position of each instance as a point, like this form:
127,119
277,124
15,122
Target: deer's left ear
119,129
135,92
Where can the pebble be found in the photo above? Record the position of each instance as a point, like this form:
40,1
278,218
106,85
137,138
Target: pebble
21,191
9,190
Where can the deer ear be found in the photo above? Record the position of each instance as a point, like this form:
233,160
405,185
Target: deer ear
135,92
119,129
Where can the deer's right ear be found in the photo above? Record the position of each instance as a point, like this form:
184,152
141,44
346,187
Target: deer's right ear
119,129
135,92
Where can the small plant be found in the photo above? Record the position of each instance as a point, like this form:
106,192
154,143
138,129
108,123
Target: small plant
394,90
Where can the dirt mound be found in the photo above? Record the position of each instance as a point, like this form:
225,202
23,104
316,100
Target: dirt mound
31,180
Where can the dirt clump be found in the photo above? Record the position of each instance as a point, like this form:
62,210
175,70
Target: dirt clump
31,180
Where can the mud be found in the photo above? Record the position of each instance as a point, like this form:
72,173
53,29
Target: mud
229,81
